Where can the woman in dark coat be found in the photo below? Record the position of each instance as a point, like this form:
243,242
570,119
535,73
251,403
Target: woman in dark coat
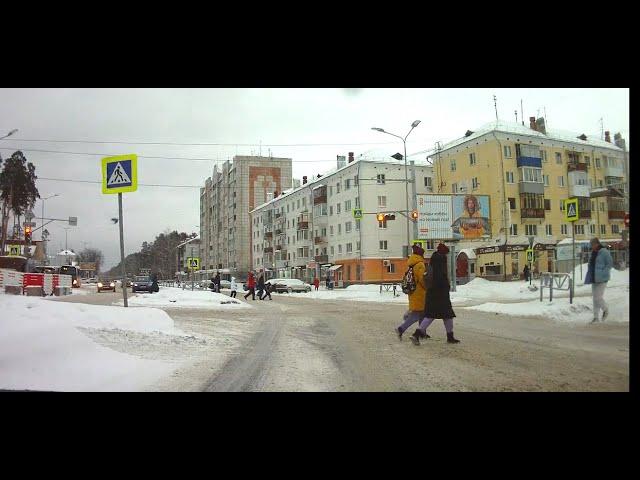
437,301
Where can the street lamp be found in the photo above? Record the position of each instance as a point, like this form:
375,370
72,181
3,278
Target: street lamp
406,175
43,199
9,134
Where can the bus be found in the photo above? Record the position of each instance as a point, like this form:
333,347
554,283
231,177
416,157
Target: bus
74,272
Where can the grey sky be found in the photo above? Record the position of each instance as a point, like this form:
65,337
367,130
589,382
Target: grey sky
241,116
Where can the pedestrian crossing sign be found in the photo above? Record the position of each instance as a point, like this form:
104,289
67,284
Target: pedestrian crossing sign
193,263
14,250
571,209
357,213
530,256
120,174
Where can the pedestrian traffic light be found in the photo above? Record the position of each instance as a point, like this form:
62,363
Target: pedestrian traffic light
414,214
27,234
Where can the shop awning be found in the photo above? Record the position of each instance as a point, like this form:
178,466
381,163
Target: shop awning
471,255
335,267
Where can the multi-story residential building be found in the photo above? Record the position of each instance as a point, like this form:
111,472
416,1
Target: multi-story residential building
311,230
225,202
528,173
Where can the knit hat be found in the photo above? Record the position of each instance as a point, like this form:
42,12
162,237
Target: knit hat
443,249
418,250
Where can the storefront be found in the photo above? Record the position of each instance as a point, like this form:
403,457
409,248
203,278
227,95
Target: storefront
465,266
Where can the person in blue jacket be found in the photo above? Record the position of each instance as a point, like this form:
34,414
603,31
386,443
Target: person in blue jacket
598,275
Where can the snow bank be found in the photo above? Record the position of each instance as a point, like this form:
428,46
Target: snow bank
360,293
176,297
41,348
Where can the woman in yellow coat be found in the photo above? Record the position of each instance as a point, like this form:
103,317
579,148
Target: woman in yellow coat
417,297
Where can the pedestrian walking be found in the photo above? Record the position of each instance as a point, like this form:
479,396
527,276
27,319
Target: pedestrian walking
234,287
260,286
598,274
526,273
316,283
437,301
414,280
267,291
251,286
328,280
216,282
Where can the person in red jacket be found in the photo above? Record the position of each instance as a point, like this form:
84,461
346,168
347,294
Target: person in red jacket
251,286
316,283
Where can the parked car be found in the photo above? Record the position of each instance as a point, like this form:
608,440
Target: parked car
289,285
106,286
143,283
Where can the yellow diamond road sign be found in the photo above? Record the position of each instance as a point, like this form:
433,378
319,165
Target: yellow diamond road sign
193,263
120,174
571,209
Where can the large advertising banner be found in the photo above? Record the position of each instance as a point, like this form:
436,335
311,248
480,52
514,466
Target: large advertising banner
453,217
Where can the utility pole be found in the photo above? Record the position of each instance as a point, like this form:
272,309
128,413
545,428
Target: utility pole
495,105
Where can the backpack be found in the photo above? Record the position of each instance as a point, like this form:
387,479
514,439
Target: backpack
408,281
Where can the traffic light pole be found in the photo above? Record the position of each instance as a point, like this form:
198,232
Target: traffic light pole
124,269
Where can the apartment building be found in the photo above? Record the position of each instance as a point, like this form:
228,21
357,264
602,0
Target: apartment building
311,230
529,171
226,199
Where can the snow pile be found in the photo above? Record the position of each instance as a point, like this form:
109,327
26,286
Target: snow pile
41,348
176,297
360,293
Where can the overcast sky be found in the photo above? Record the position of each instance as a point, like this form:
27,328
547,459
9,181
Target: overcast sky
242,116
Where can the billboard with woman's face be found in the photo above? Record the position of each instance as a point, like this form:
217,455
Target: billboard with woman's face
470,216
453,217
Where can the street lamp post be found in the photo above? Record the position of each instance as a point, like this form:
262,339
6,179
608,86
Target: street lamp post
43,200
9,134
406,175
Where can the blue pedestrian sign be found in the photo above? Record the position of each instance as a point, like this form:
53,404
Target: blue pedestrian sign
120,174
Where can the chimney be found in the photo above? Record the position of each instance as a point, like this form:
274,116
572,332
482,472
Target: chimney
275,194
532,123
341,161
269,196
540,126
304,179
607,136
350,157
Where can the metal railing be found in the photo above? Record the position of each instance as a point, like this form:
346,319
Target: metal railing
556,281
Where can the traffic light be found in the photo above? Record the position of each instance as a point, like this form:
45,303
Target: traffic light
380,217
27,234
414,214
383,217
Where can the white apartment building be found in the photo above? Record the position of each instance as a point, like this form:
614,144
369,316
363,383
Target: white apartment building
311,230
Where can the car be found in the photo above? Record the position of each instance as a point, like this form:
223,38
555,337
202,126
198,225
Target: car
289,285
106,286
143,283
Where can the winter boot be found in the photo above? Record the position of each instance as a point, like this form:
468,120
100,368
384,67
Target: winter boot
399,332
422,334
451,339
415,338
605,314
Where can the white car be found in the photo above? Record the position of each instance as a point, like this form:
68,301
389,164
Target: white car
288,285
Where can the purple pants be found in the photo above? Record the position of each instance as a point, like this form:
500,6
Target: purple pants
448,324
409,319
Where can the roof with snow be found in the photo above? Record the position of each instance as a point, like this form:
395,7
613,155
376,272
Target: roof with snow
519,129
67,253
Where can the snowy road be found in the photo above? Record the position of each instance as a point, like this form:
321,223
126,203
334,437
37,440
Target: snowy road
295,343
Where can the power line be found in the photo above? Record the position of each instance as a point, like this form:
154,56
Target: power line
99,182
207,144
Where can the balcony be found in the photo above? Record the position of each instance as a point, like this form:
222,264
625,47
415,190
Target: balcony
279,231
579,191
322,258
577,167
319,240
268,235
614,172
301,261
531,187
616,214
522,161
606,192
320,199
532,213
267,249
282,263
303,226
583,213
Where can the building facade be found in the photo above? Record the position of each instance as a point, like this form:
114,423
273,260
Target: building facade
226,199
528,173
311,230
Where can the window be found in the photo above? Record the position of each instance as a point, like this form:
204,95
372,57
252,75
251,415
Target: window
474,183
357,202
545,178
383,244
330,209
452,164
383,224
543,156
330,229
507,151
602,206
347,206
472,159
587,160
579,229
562,205
531,229
561,181
332,250
528,174
339,249
603,229
287,208
349,247
323,232
600,184
298,204
597,163
531,200
339,229
347,227
391,268
548,229
615,228
330,190
509,177
380,178
454,188
547,205
428,184
355,181
563,229
512,203
337,188
338,206
357,224
513,230
347,184
358,246
382,201
558,158
592,229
